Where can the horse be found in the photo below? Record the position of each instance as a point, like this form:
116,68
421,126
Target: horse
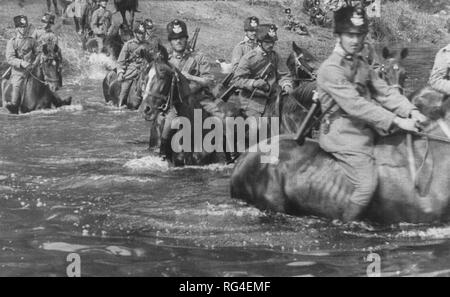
112,87
286,107
308,181
123,6
38,89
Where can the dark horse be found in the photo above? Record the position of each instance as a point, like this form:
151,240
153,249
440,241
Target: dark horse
38,89
116,38
308,181
167,86
123,6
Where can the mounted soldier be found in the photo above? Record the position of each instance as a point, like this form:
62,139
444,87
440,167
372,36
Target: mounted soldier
258,73
100,23
151,36
249,42
194,66
357,104
131,59
46,37
21,53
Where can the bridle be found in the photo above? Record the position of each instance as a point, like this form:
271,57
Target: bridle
307,69
383,72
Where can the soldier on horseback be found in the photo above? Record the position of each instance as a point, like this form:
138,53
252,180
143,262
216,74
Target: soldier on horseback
151,36
46,37
258,75
21,53
193,65
100,23
249,42
361,104
131,59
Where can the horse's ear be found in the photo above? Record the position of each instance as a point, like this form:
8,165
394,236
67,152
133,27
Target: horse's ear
404,53
385,53
296,48
45,49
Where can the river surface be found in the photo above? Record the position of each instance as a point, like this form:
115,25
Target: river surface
80,180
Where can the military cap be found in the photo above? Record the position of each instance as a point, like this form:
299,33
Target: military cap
139,27
267,32
48,18
251,23
148,24
351,19
20,21
177,29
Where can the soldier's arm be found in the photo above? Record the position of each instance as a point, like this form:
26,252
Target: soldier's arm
122,59
437,78
236,56
10,54
205,78
390,97
332,80
242,75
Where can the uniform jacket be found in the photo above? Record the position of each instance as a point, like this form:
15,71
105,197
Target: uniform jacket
364,102
194,63
130,60
250,69
240,50
43,36
438,78
101,21
21,49
80,7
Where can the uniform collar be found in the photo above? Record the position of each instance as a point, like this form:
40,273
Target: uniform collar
262,52
186,53
339,50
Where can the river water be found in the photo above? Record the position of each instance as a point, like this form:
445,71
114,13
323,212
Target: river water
79,179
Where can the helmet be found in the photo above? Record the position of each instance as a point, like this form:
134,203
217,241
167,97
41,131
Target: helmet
20,21
351,19
139,27
251,23
148,24
177,29
48,18
266,32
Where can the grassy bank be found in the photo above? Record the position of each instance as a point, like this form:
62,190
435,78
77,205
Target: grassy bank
221,24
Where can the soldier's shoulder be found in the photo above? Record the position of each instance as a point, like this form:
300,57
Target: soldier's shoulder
252,55
198,55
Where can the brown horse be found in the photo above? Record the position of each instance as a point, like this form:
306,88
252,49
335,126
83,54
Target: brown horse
38,90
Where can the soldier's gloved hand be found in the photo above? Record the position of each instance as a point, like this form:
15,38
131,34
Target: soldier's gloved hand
25,65
261,84
120,77
288,89
406,124
418,116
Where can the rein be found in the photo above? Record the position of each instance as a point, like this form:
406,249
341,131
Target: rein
304,68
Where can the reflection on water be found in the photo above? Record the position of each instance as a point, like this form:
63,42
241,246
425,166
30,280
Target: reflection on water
80,179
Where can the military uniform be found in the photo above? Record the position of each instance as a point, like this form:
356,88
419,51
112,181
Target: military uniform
100,23
363,103
130,62
439,78
250,69
21,51
245,45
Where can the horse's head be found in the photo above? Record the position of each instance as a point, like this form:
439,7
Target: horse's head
160,88
391,69
50,64
301,63
125,32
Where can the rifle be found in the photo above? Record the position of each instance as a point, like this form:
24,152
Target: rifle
7,73
193,41
264,75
